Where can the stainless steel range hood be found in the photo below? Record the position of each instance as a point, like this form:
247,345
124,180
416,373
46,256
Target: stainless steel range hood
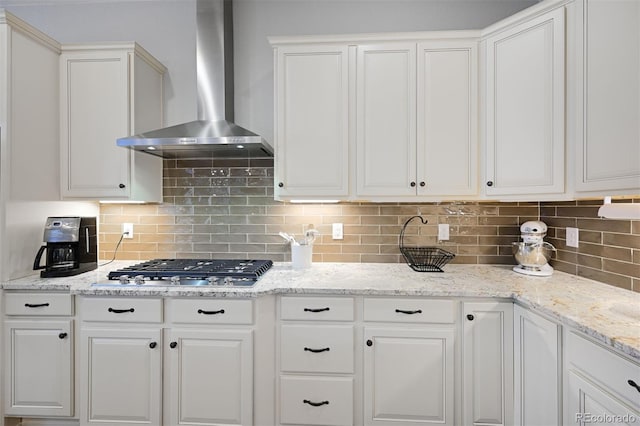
214,134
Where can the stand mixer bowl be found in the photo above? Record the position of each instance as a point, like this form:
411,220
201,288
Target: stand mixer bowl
532,255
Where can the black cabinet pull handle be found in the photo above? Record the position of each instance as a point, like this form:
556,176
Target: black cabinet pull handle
200,311
281,185
317,351
36,305
490,183
423,183
470,317
401,311
153,345
412,184
634,385
316,310
315,404
173,345
62,335
369,343
120,311
122,186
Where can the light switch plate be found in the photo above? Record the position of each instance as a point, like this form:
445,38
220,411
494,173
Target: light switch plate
443,231
337,232
572,237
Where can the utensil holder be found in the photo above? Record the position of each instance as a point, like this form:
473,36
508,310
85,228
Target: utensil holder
301,256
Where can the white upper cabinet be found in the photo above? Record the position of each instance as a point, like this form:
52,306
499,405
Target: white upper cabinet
108,92
607,79
525,116
386,119
312,122
417,119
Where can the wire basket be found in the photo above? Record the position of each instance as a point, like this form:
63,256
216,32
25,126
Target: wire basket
423,259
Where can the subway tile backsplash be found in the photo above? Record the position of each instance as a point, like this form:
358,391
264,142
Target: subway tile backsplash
225,209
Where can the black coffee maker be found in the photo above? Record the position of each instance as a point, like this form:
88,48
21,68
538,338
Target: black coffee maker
71,245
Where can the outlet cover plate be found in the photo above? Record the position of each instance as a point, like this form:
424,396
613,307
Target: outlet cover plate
572,237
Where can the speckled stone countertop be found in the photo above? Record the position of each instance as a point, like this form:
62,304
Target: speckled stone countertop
608,314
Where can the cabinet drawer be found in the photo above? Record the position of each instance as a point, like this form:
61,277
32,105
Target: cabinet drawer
329,400
38,303
316,308
316,349
121,309
606,367
398,309
211,311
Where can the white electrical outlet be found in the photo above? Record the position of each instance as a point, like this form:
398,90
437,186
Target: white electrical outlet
337,232
443,231
572,237
127,230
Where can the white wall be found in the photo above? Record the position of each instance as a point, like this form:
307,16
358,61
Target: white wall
166,29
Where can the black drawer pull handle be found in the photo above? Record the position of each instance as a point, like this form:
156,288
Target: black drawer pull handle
173,345
315,404
36,305
153,345
200,311
634,385
369,342
317,351
417,311
316,310
470,317
62,335
120,311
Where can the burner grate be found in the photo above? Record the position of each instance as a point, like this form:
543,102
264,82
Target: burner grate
164,269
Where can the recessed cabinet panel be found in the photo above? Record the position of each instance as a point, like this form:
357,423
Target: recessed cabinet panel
38,368
525,108
609,69
317,400
312,121
447,118
95,90
408,376
386,119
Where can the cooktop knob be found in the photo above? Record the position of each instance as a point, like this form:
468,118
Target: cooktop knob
124,279
138,279
175,280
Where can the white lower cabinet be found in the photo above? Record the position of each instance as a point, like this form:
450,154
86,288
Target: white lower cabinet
38,354
537,370
210,376
122,375
408,364
316,349
487,363
201,372
601,386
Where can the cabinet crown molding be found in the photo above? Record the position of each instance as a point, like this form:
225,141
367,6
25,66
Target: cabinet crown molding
119,46
374,37
19,25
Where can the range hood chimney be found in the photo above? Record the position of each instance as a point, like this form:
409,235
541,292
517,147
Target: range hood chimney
213,134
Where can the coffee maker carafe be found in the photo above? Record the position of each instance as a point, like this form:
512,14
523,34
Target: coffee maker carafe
71,246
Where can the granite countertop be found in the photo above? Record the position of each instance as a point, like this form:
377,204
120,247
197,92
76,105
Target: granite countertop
608,314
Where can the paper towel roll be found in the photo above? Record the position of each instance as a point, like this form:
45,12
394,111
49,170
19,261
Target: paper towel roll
620,211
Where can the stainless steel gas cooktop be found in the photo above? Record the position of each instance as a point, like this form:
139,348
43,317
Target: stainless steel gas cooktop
168,272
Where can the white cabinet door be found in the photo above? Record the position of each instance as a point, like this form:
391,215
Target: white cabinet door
408,376
108,93
312,122
447,108
608,96
121,376
38,360
525,108
589,404
386,119
537,371
487,356
210,377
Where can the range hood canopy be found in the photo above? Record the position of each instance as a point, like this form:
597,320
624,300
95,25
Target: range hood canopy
213,135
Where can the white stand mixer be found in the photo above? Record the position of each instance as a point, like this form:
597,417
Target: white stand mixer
533,253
